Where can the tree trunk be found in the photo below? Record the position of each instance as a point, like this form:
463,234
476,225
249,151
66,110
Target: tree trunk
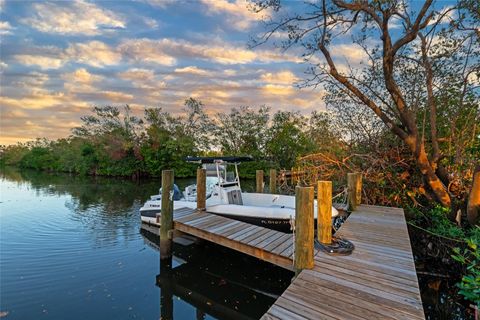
473,206
436,186
408,132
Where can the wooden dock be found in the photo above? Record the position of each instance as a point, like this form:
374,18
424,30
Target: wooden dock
266,244
377,281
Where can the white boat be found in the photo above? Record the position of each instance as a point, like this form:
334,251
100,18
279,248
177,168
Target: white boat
225,198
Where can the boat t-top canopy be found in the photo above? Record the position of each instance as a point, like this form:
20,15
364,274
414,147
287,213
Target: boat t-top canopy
203,160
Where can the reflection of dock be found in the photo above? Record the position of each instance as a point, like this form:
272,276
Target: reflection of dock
200,289
225,285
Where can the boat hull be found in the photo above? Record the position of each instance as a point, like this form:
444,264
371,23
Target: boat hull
278,224
282,225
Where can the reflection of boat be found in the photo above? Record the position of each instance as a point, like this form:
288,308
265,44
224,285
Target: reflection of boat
225,198
219,286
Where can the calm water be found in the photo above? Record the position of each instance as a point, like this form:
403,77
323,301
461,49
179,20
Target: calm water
73,248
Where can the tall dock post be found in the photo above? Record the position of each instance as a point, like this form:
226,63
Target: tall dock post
273,181
304,228
324,214
201,189
354,182
293,177
166,226
259,178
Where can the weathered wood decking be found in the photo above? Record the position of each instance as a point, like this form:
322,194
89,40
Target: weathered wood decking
377,281
266,244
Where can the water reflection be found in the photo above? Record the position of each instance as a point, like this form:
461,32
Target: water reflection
70,247
217,282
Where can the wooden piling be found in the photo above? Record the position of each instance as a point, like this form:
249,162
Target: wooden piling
324,213
293,177
166,215
304,228
259,178
273,181
354,182
201,189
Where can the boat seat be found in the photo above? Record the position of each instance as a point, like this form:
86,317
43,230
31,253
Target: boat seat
235,197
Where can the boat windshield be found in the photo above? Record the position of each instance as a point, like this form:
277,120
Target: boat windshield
227,173
225,169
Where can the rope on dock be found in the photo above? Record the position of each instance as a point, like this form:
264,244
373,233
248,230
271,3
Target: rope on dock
344,193
292,228
339,246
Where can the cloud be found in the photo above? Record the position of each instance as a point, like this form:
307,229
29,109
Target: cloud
230,72
351,52
275,89
77,18
395,23
443,16
193,70
38,99
136,74
143,79
5,28
236,13
282,77
44,62
146,50
160,3
213,95
117,96
278,83
152,23
167,51
7,140
81,81
474,78
93,53
32,81
82,76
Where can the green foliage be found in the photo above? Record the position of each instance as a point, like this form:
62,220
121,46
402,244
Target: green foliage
13,154
288,139
39,158
469,257
242,131
467,253
112,141
441,225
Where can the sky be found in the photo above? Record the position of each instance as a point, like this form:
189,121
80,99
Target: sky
59,59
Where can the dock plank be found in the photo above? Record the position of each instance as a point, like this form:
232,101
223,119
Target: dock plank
233,234
377,281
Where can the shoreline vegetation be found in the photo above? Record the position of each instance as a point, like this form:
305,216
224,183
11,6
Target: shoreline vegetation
114,142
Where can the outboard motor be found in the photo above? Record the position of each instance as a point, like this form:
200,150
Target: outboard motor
177,194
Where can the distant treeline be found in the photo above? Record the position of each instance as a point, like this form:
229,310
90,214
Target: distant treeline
114,142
